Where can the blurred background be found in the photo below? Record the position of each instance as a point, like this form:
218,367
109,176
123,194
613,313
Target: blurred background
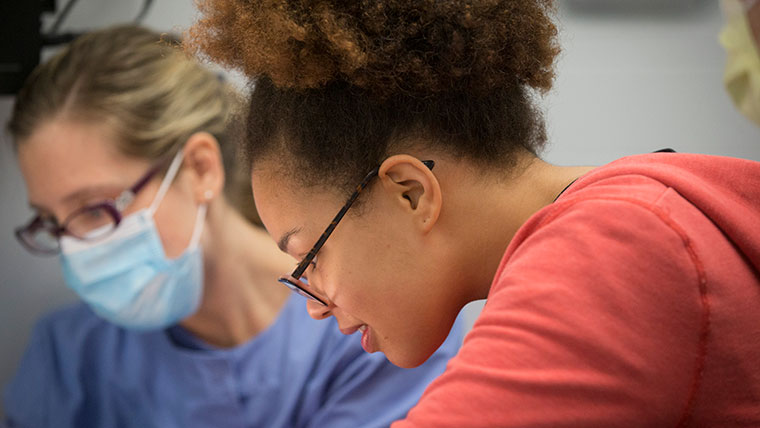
634,76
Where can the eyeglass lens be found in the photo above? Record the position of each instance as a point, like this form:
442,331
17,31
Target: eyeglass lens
89,223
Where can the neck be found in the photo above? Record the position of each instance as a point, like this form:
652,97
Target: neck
501,206
240,294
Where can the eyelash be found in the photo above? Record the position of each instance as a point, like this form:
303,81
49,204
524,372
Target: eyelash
49,218
313,263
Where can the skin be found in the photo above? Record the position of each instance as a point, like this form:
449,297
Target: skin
424,244
753,15
68,163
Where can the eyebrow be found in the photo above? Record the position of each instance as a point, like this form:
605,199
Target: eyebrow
93,191
39,208
79,195
285,239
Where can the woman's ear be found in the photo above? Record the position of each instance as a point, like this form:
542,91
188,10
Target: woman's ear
414,187
203,159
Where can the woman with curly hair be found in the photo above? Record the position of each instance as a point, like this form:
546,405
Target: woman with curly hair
127,148
621,295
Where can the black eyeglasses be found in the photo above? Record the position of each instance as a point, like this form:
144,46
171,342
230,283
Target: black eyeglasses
42,235
293,281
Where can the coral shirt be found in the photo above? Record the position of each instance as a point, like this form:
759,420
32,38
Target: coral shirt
632,301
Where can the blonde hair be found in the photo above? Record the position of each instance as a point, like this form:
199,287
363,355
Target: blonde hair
148,92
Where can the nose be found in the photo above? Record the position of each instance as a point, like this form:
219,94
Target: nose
317,310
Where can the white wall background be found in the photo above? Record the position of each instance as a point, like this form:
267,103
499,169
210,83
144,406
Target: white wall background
628,82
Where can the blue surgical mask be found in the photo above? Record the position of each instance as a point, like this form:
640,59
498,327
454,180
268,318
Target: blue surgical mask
127,278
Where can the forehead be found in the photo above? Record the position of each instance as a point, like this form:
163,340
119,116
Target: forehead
62,156
287,207
76,142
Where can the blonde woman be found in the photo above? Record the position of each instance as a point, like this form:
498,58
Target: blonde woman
120,140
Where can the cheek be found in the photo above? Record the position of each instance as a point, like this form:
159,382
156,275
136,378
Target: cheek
370,259
175,220
365,277
382,282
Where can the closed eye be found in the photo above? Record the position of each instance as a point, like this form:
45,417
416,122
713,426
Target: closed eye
48,219
312,267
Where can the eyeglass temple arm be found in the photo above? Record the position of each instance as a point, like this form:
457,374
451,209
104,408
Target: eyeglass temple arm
309,257
126,197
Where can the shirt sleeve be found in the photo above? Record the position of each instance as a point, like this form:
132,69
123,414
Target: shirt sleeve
594,321
370,392
25,397
46,390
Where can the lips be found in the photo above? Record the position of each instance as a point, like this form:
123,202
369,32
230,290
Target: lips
366,335
366,339
351,330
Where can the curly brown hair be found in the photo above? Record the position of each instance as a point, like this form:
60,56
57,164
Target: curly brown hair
338,84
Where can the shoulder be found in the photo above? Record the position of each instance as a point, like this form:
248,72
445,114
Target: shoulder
604,227
71,329
611,234
48,375
612,246
638,188
635,202
76,362
73,317
67,326
71,336
71,339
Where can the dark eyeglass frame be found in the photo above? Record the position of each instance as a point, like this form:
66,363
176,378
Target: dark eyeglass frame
114,207
293,281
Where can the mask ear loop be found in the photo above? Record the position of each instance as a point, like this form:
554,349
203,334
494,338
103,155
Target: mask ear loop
167,181
198,229
199,220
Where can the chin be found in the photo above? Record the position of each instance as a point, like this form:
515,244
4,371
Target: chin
409,359
410,348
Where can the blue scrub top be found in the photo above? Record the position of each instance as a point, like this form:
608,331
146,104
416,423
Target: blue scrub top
81,371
